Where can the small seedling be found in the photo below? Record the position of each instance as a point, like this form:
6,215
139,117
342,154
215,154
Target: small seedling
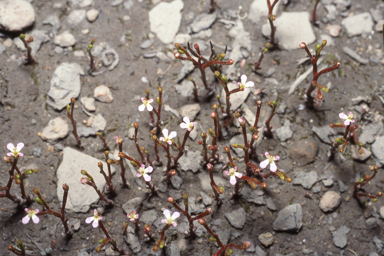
358,190
70,109
30,60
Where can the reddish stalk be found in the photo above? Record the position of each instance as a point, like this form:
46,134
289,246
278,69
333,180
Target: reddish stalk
357,187
161,241
30,59
91,58
121,161
105,145
272,40
217,190
20,246
314,13
90,182
109,240
195,95
255,131
268,133
70,109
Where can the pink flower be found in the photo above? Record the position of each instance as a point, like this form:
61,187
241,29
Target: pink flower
233,173
133,216
143,172
31,215
187,124
146,103
95,219
348,119
84,180
271,161
166,138
15,151
118,139
244,84
170,220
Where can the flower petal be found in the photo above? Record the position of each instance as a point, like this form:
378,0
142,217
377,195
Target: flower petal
266,154
238,175
20,146
150,100
183,125
277,158
249,84
25,220
9,154
141,107
164,221
138,175
226,172
243,79
167,213
95,224
165,132
175,215
88,220
174,224
36,210
346,122
264,164
149,169
142,99
273,167
147,177
232,180
21,154
10,146
149,108
35,219
342,115
186,120
26,210
172,135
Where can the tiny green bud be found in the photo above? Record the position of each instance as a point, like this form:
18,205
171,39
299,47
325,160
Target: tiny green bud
22,37
217,73
38,200
133,163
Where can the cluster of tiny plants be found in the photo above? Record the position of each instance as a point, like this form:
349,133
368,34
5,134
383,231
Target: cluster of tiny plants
167,151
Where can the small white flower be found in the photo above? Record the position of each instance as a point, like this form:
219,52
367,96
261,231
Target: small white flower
233,173
170,220
187,124
348,119
143,172
244,84
31,215
133,216
146,103
271,161
166,138
95,219
15,151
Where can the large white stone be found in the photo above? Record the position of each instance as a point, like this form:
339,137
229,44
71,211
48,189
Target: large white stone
15,15
165,20
80,196
358,24
292,28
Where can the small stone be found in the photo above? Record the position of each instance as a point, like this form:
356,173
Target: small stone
57,128
132,205
342,187
82,3
271,205
79,53
376,14
54,21
378,149
334,30
369,133
190,110
207,200
176,182
92,15
131,132
76,17
7,42
128,4
191,161
371,223
236,218
289,218
85,31
284,133
382,212
203,21
266,239
379,26
330,201
185,89
360,157
351,53
65,39
88,103
37,152
97,124
324,133
59,50
378,243
358,24
16,15
259,251
116,2
147,43
340,237
328,182
305,179
76,226
304,151
103,93
182,39
316,189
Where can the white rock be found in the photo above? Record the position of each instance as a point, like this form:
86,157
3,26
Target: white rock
94,124
259,10
88,103
330,201
79,53
334,30
15,15
65,39
103,93
80,196
92,15
82,3
65,84
292,28
56,129
190,110
7,42
54,21
358,24
182,39
76,17
237,98
165,20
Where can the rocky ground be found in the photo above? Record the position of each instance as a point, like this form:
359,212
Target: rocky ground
315,214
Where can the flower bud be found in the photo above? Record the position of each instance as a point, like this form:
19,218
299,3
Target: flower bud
157,100
65,187
289,180
209,166
22,36
324,43
217,73
212,239
160,89
213,115
177,55
380,194
234,145
10,247
241,121
220,190
302,45
264,185
7,159
230,62
136,125
203,135
98,249
173,172
73,100
38,200
101,240
220,56
162,244
201,221
155,248
84,180
171,200
224,78
133,163
226,149
246,245
196,47
84,172
36,191
374,200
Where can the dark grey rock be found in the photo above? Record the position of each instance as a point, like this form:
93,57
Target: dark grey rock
342,187
377,14
236,218
191,161
186,69
371,223
176,181
98,125
325,133
173,249
340,237
369,132
54,21
304,151
284,133
132,204
271,205
37,152
132,240
289,218
305,179
207,200
260,252
378,243
148,217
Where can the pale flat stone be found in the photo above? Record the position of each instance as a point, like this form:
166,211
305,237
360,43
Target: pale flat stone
237,98
15,15
56,129
80,196
103,93
358,24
